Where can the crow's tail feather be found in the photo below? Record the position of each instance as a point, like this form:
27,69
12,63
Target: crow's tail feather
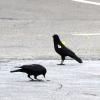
17,66
78,59
18,70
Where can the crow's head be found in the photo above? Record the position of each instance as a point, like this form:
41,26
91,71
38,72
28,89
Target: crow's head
56,38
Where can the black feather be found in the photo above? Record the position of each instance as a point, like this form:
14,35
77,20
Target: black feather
33,69
63,51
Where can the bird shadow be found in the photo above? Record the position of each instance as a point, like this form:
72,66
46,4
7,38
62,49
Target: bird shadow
61,64
69,64
38,80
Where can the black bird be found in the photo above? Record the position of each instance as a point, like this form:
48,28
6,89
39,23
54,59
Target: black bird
63,51
33,69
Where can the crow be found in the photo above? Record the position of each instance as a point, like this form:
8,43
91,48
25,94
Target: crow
33,69
63,51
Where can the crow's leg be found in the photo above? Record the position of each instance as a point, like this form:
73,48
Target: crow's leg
62,60
35,76
30,77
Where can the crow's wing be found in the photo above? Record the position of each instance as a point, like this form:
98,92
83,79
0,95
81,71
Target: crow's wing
66,51
33,67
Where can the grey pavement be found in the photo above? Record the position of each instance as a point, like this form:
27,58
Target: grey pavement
72,81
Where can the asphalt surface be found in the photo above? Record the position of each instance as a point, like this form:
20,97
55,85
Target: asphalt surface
72,81
27,26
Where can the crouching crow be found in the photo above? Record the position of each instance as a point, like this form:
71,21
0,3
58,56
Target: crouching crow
33,69
63,51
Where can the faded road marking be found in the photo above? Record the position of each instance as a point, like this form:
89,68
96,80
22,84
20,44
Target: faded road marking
87,2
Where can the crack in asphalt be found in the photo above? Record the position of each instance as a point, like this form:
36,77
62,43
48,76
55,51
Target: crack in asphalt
60,86
90,94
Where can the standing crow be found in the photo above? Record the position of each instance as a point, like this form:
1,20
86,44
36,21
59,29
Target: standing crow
34,69
63,51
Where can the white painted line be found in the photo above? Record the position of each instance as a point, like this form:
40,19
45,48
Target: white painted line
87,34
88,2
